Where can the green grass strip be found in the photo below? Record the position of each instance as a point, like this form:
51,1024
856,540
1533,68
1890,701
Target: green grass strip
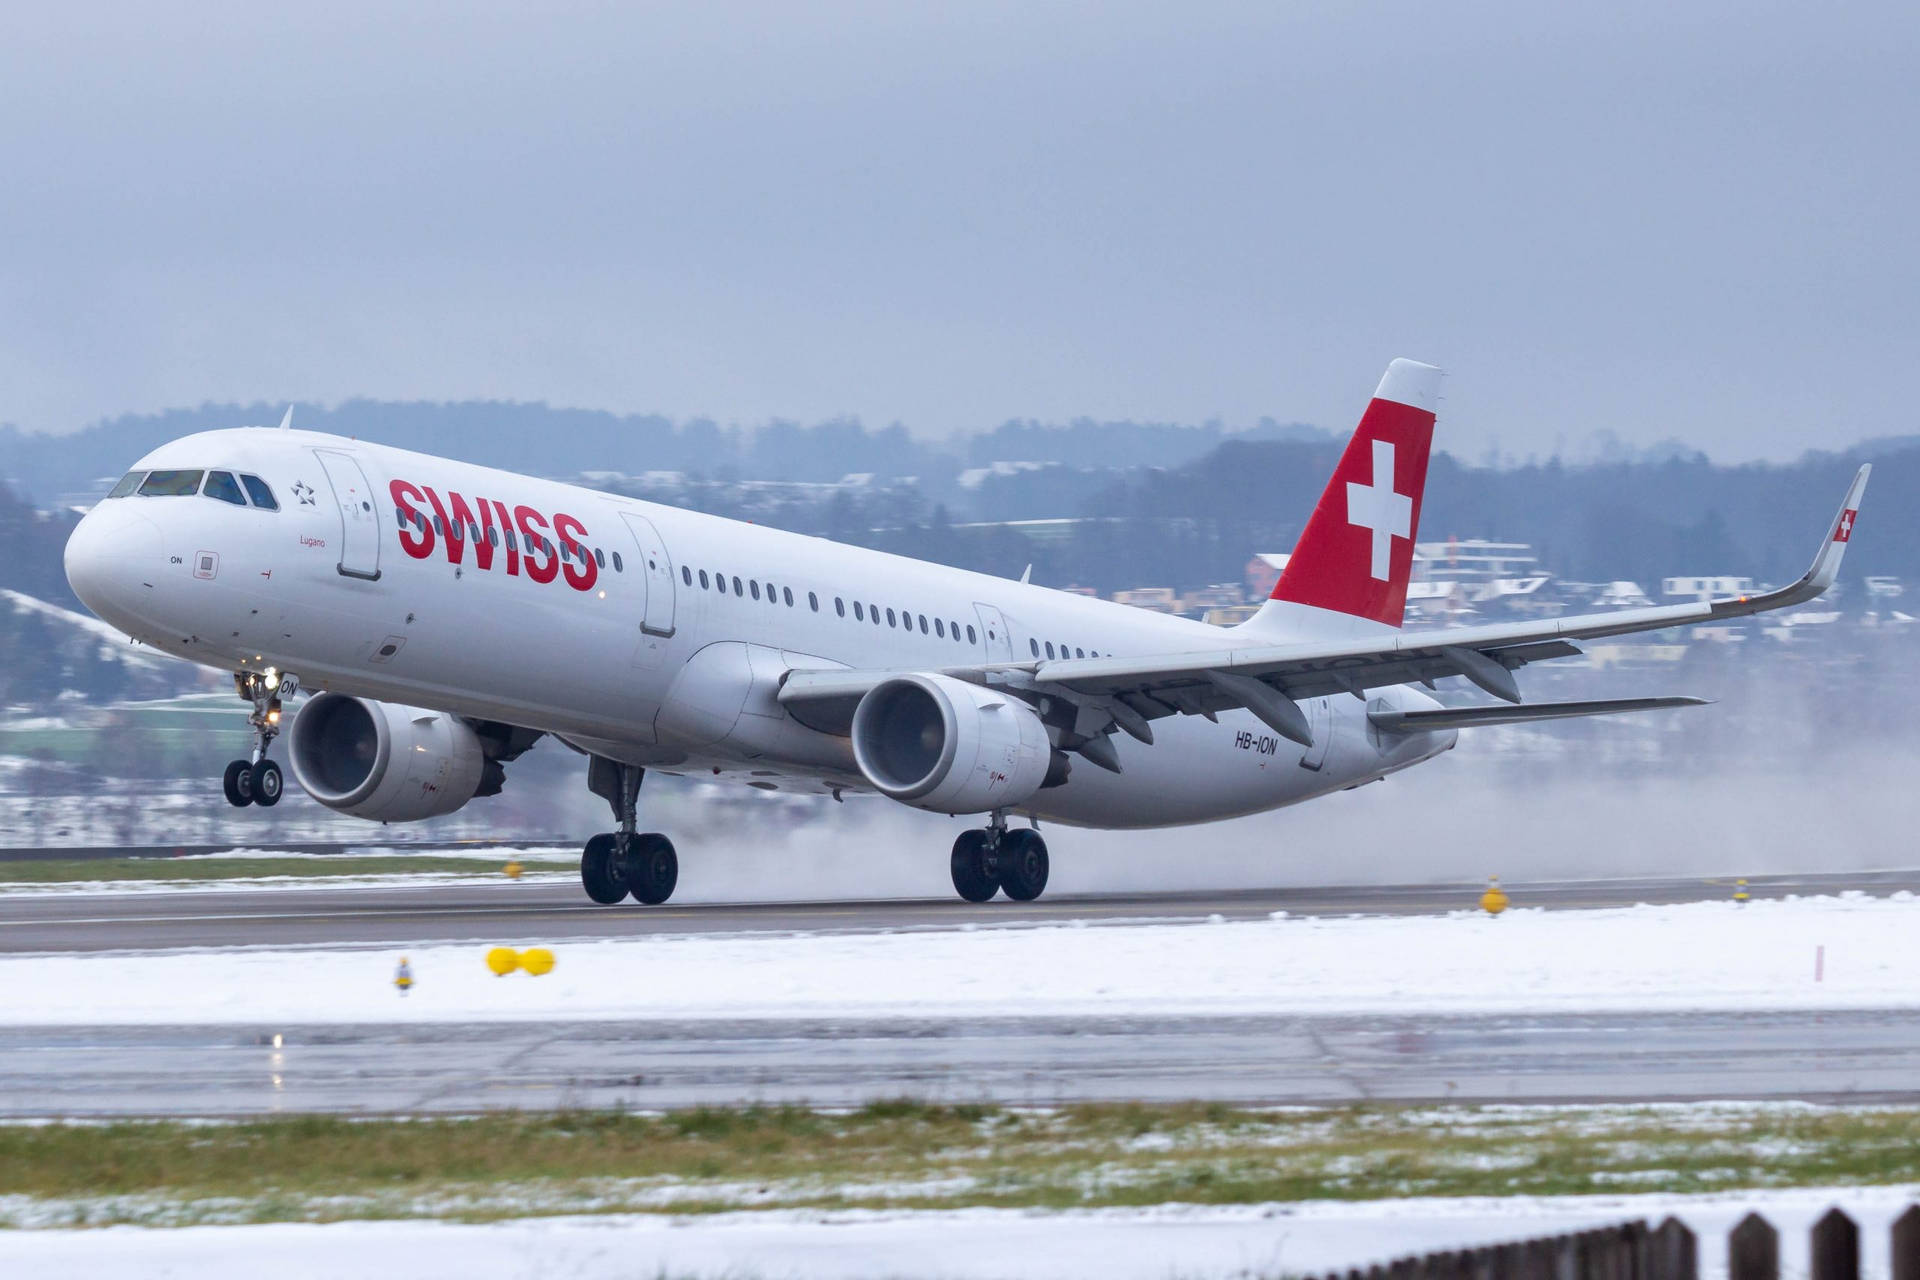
910,1154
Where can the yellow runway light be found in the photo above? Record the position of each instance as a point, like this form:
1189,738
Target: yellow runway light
513,869
1495,899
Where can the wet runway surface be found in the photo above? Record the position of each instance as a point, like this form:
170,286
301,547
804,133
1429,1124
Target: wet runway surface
1861,1056
550,911
1871,1055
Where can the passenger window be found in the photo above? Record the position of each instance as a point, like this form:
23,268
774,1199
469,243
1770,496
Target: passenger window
600,557
923,624
222,485
970,637
128,483
620,568
1079,653
954,627
858,614
786,594
257,490
736,588
1049,648
493,536
890,621
840,607
873,611
940,628
703,579
773,597
1033,645
813,602
756,588
171,484
686,574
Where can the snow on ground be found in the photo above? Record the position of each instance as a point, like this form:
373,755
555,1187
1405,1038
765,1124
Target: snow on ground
1150,1244
1699,955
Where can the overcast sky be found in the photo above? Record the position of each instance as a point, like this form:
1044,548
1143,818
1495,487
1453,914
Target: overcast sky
1691,220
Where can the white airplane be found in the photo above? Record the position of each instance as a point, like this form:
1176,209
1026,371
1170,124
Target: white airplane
450,615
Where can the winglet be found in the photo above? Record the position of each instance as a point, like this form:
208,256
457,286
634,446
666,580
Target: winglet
286,423
1825,567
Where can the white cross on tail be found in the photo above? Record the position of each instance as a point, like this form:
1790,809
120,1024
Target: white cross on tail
1378,508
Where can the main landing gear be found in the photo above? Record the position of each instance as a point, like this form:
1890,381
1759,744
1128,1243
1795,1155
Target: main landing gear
992,859
624,862
256,780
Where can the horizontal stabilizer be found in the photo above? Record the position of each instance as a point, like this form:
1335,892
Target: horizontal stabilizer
1477,717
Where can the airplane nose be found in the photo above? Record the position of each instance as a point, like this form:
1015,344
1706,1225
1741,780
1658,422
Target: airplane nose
110,557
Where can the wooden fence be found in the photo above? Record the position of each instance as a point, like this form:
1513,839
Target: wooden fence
1633,1251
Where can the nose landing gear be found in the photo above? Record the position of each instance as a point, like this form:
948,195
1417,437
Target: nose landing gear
993,859
257,780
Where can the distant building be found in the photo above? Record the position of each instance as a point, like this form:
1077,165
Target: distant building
1720,587
1621,595
1156,599
1263,574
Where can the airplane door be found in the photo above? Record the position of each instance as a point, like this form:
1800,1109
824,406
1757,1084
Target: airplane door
1320,722
656,621
359,515
993,633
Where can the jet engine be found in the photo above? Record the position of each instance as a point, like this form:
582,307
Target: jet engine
387,763
942,744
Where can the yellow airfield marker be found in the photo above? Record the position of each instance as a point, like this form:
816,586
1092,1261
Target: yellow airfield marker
513,869
537,961
1495,899
503,961
1740,893
403,976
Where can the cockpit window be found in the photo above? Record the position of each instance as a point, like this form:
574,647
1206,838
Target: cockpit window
257,490
222,485
128,483
171,484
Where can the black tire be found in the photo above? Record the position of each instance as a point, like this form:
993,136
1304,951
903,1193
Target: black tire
1023,865
598,873
973,877
239,784
652,868
266,784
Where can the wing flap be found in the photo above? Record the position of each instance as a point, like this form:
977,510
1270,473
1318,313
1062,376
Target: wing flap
1480,717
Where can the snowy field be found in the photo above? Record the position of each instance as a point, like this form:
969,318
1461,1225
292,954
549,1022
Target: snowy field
1147,1244
1826,952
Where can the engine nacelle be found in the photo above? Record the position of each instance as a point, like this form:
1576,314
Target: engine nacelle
942,744
383,762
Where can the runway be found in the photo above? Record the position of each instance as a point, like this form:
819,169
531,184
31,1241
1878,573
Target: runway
1857,1055
548,911
1862,1056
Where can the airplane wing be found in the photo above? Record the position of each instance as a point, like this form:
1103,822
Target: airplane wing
1130,692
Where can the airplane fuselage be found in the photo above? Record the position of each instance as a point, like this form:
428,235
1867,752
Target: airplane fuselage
647,634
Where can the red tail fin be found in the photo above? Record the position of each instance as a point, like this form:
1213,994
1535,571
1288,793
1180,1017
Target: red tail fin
1356,554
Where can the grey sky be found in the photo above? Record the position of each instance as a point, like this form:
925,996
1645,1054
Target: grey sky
1693,220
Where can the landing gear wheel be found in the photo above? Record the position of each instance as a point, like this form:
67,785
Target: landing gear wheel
1023,865
239,784
597,872
973,868
265,783
651,867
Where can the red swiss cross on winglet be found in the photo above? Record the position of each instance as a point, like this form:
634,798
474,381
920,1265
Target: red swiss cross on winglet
1843,531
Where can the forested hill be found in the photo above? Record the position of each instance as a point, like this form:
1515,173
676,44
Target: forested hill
1640,521
537,439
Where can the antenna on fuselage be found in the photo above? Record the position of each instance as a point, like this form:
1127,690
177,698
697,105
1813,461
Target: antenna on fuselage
286,423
